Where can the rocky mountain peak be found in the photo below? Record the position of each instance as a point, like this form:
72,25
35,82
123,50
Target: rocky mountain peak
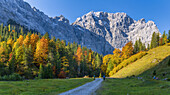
142,20
117,28
100,31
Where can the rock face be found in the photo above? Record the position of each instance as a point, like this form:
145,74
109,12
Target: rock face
118,28
100,31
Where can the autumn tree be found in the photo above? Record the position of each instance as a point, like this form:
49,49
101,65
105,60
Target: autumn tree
41,53
33,40
26,41
20,40
64,64
127,50
11,64
169,36
79,57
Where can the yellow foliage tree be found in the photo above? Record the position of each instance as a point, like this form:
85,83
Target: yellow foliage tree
20,40
127,50
33,40
41,53
79,57
10,42
26,41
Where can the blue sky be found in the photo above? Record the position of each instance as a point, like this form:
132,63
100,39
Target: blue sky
155,10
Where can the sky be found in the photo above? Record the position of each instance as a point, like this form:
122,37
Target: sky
155,10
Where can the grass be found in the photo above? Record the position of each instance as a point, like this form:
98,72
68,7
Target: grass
153,58
40,87
134,86
160,69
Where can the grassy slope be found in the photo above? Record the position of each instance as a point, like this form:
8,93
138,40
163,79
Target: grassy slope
161,68
134,87
153,58
39,87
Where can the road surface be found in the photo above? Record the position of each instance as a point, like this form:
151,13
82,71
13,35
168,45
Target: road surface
86,89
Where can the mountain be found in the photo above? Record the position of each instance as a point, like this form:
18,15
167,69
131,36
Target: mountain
22,13
118,28
100,31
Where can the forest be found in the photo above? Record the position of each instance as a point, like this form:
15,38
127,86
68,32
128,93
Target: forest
26,54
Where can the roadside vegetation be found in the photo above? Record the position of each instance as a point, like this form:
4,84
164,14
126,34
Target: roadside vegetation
133,86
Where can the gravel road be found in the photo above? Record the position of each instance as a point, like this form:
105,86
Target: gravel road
86,89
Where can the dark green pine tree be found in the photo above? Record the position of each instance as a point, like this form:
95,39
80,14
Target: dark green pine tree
143,47
169,36
46,36
41,71
28,56
1,29
22,31
48,71
153,41
98,61
148,47
163,37
28,62
140,45
136,47
58,63
157,39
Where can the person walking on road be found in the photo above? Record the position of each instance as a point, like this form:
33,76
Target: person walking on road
103,77
94,77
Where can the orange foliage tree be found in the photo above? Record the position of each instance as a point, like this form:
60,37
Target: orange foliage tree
79,57
41,53
127,50
33,40
26,41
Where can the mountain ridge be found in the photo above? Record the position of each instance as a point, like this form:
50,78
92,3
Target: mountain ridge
103,41
113,25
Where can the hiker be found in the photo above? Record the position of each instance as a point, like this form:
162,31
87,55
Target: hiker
157,78
103,77
94,77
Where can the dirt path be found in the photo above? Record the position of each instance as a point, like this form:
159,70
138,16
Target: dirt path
86,89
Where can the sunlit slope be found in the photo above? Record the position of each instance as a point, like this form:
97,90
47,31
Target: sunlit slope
160,69
153,58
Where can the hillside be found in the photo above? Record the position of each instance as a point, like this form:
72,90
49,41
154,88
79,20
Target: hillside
153,58
161,68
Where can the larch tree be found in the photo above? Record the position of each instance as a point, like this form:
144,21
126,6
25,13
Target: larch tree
33,40
20,40
41,53
79,57
26,41
127,50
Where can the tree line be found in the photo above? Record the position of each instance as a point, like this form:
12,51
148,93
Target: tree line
32,55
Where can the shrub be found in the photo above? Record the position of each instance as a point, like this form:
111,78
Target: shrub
62,74
169,62
154,72
86,76
168,79
168,44
13,77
